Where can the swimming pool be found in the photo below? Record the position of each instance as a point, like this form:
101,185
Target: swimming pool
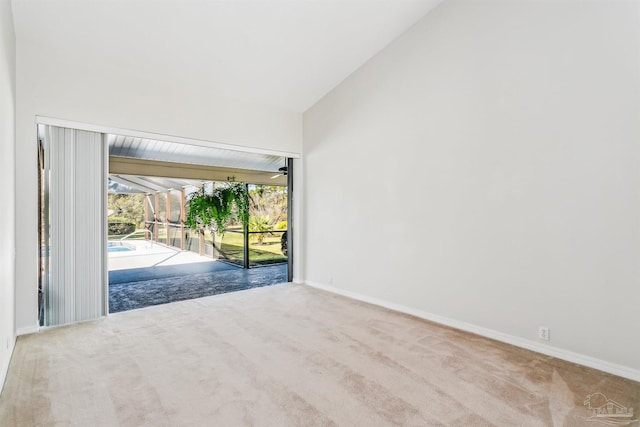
119,247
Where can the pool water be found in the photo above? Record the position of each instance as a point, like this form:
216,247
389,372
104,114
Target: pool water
119,247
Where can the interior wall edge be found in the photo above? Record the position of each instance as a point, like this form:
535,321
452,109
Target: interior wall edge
557,352
8,233
4,369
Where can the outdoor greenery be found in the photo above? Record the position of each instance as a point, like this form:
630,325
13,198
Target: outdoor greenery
128,208
269,201
268,212
258,225
269,252
214,209
136,236
225,203
120,225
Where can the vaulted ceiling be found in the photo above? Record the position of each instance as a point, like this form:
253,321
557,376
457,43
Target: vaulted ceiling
279,53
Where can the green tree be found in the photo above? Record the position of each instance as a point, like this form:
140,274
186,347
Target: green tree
260,225
268,201
128,206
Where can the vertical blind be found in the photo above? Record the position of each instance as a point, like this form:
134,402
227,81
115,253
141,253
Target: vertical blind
75,179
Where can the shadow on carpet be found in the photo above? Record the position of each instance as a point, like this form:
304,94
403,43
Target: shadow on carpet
144,293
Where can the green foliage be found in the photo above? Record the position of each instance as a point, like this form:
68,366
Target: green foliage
121,219
120,226
282,225
260,224
126,207
269,200
226,202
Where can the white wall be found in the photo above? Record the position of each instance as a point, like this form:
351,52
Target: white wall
7,157
55,82
485,167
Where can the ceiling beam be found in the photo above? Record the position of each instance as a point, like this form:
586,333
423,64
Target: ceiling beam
128,166
134,181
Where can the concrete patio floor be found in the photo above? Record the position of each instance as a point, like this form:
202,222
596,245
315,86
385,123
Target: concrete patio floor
151,254
157,274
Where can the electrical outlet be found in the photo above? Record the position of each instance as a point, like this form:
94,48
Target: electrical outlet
543,333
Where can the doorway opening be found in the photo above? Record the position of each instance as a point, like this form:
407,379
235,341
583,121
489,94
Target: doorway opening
150,254
155,258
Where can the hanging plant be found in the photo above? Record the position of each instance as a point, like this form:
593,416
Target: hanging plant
225,202
240,197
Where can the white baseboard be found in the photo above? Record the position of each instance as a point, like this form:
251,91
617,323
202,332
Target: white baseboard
580,359
28,330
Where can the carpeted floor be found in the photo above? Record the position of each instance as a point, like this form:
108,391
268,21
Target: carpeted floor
289,355
144,287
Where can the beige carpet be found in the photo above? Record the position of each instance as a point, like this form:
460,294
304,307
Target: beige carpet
289,355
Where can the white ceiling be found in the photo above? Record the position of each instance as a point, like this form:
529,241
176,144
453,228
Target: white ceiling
147,149
279,53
